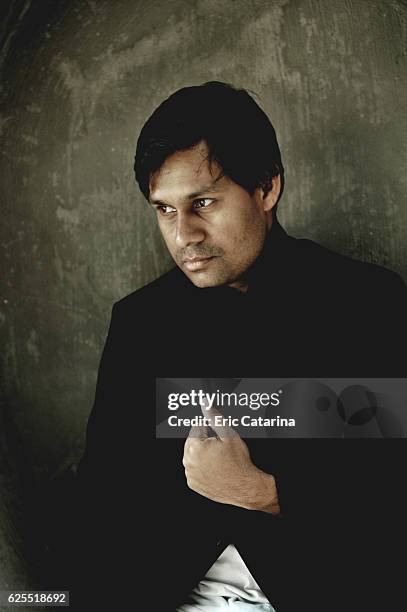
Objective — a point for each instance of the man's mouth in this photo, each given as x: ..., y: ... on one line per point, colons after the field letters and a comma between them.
x: 196, y: 263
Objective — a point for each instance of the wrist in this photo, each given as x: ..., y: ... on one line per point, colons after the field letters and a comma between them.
x: 266, y: 498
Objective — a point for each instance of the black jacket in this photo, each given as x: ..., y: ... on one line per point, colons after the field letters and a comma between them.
x: 340, y: 540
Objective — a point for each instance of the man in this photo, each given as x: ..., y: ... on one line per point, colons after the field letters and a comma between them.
x: 309, y: 524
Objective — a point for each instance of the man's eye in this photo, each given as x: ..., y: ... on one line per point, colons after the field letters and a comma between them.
x: 202, y: 202
x: 164, y: 210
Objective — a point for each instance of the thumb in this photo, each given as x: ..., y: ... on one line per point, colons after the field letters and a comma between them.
x: 199, y: 431
x: 217, y: 421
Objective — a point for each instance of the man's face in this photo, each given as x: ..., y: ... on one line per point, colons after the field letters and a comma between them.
x: 213, y: 228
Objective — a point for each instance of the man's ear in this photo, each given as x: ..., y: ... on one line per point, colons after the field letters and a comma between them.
x: 270, y: 192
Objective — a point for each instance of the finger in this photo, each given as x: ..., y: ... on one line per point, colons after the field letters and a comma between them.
x: 215, y: 419
x: 199, y: 431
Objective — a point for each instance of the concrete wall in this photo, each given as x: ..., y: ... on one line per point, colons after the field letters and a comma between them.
x: 78, y: 79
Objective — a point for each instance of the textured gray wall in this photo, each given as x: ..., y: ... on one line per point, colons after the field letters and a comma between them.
x: 78, y: 79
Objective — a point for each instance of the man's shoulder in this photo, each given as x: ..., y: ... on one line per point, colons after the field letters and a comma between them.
x: 322, y: 263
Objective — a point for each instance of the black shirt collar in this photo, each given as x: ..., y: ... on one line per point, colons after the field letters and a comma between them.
x: 270, y: 266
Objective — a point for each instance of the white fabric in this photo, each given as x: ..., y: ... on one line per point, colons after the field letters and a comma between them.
x: 227, y: 578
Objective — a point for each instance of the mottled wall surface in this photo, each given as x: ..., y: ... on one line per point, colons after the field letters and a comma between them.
x: 78, y: 79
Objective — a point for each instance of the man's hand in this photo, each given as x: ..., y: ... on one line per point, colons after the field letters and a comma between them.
x: 221, y: 469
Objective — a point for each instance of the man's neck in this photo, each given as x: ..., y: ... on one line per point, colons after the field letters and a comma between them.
x: 240, y: 285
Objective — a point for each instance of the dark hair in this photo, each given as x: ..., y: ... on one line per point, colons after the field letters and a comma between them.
x: 239, y: 135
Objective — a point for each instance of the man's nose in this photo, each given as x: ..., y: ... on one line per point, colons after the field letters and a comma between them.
x: 189, y: 230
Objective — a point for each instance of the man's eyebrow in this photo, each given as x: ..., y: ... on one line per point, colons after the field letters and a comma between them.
x: 190, y: 196
x: 205, y: 189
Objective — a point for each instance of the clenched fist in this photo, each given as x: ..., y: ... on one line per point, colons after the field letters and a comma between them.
x: 220, y: 468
